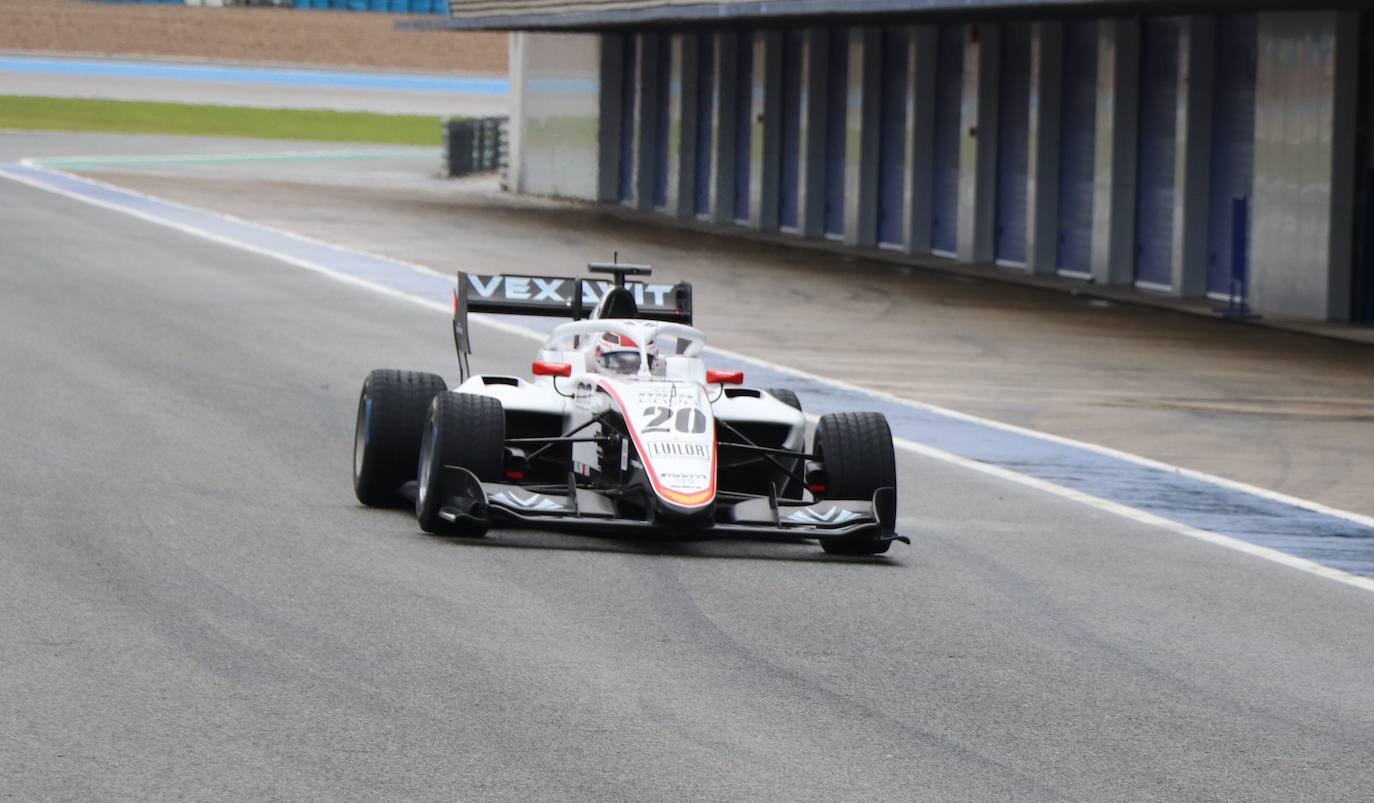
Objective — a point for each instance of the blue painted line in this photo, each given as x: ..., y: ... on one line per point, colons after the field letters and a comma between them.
x: 1323, y: 538
x: 218, y: 73
x: 1319, y: 537
x: 565, y: 86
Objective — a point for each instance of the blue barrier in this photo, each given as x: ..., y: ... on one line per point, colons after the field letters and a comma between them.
x: 1237, y: 305
x: 247, y: 74
x: 383, y: 6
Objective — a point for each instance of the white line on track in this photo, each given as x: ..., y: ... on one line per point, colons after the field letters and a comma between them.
x: 1098, y: 503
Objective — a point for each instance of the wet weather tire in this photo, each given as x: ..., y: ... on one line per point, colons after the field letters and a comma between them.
x: 792, y: 488
x: 785, y: 396
x: 386, y: 439
x: 856, y: 450
x: 465, y: 430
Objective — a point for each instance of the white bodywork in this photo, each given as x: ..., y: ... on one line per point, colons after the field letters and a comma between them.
x: 670, y: 410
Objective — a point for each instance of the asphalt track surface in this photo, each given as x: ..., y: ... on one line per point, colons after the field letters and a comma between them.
x: 194, y: 605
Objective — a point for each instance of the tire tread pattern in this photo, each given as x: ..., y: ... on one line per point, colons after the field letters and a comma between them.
x: 400, y: 401
x: 471, y: 433
x: 857, y: 452
x: 787, y: 397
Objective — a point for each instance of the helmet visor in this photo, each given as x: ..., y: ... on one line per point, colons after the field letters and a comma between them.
x: 621, y: 362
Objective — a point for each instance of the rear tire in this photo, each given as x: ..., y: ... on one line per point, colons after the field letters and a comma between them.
x: 785, y: 396
x: 465, y: 430
x: 792, y: 487
x: 386, y: 436
x: 856, y: 450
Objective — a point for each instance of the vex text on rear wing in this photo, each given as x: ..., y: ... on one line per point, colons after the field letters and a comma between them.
x: 563, y: 297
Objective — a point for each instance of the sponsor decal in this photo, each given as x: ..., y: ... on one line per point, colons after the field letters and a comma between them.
x: 520, y: 288
x: 593, y: 290
x: 550, y: 290
x: 697, y: 451
x: 535, y: 502
x: 835, y: 515
x: 684, y: 479
x: 673, y: 395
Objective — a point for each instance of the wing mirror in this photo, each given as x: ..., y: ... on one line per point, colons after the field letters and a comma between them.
x: 714, y: 377
x: 541, y: 368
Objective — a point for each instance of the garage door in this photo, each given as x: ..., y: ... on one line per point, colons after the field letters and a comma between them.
x: 892, y: 138
x: 1233, y: 139
x: 706, y: 106
x: 1154, y: 205
x: 1364, y: 280
x: 1013, y: 146
x: 744, y: 122
x: 790, y: 169
x: 949, y: 90
x: 663, y: 76
x: 1077, y: 146
x: 627, y: 118
x: 836, y: 123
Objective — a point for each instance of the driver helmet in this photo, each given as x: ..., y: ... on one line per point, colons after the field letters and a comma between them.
x: 618, y: 354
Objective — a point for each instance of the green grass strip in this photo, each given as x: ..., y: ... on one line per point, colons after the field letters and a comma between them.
x: 140, y: 117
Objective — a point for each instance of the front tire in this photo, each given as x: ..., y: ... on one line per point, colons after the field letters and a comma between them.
x: 464, y: 430
x: 856, y: 450
x: 386, y: 435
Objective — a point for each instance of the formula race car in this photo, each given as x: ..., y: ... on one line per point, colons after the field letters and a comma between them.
x: 623, y: 430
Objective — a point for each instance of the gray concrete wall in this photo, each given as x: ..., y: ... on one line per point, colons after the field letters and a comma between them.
x: 765, y: 137
x: 682, y: 130
x: 1114, y: 190
x: 723, y: 166
x: 920, y: 138
x: 978, y: 148
x: 1192, y: 162
x: 1302, y: 213
x: 861, y: 138
x: 811, y: 139
x: 556, y: 137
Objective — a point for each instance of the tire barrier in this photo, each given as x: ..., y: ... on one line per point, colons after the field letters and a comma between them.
x: 474, y: 145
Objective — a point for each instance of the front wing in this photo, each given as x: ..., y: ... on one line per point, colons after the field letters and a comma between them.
x: 580, y: 510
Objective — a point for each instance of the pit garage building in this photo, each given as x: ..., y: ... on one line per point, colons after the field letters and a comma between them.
x: 1176, y: 148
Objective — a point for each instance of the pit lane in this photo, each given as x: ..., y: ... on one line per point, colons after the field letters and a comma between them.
x: 195, y: 605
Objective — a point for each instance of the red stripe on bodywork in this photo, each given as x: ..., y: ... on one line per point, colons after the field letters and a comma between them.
x: 697, y: 499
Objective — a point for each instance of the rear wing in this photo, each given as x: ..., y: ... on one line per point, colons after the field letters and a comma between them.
x: 561, y: 297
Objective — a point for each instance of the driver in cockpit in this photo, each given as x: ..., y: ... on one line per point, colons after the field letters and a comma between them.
x: 616, y: 354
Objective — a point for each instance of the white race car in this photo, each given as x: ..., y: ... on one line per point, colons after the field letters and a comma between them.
x: 622, y: 430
